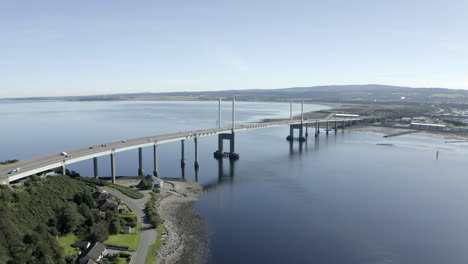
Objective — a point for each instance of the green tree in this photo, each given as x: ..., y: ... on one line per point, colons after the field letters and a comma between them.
x: 114, y: 227
x: 69, y: 218
x: 99, y: 232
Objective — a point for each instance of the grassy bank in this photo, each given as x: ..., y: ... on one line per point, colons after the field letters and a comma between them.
x: 122, y: 189
x: 130, y: 241
x: 152, y: 255
x: 66, y: 241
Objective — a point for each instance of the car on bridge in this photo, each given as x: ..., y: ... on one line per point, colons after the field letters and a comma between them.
x: 13, y: 171
x: 65, y: 154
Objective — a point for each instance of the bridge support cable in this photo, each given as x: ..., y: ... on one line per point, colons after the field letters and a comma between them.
x: 141, y: 172
x: 219, y: 113
x: 112, y: 159
x: 95, y: 167
x: 155, y: 160
x: 290, y: 110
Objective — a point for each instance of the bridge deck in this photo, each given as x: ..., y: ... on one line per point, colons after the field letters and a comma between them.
x: 43, y: 163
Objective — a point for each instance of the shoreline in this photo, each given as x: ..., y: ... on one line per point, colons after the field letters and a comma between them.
x: 186, y: 239
x: 393, y: 130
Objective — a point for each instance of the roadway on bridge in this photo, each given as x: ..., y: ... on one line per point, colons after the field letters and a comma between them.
x: 56, y: 160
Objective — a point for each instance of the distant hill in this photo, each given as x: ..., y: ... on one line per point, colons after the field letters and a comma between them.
x: 370, y: 93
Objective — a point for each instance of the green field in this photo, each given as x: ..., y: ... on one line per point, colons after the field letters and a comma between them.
x: 132, y: 241
x: 66, y: 242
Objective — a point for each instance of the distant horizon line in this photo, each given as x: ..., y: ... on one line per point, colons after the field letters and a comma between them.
x: 227, y: 90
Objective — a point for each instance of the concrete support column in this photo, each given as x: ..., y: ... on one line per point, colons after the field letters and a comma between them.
x: 182, y: 153
x: 196, y: 164
x: 318, y: 127
x: 328, y: 127
x: 232, y: 154
x: 232, y: 144
x: 344, y: 124
x: 336, y: 126
x: 96, y: 170
x: 155, y: 160
x: 63, y: 169
x: 307, y: 130
x: 140, y: 162
x: 112, y: 158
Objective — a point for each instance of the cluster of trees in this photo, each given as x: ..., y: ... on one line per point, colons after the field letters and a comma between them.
x: 151, y: 212
x: 8, y: 161
x: 33, y: 216
x: 145, y: 184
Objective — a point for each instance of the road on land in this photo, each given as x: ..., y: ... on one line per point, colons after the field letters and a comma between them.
x: 148, y: 234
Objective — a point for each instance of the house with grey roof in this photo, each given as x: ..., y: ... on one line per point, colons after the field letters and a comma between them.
x: 108, y: 205
x: 94, y: 254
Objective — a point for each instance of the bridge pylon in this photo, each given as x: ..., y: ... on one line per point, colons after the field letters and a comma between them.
x: 219, y: 154
x: 300, y: 127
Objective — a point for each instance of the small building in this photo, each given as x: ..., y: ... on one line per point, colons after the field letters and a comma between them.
x: 391, y: 122
x: 406, y: 120
x: 94, y: 254
x: 419, y: 119
x: 157, y: 182
x: 108, y: 205
x: 427, y: 126
x: 127, y: 230
x: 81, y: 245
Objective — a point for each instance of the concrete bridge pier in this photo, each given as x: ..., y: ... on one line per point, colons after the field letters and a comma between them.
x: 219, y: 154
x: 155, y: 160
x: 336, y: 126
x: 301, y: 132
x: 318, y: 127
x: 344, y: 124
x: 196, y: 164
x: 63, y: 169
x: 140, y: 162
x: 112, y: 158
x: 96, y: 169
x: 328, y: 127
x: 182, y: 153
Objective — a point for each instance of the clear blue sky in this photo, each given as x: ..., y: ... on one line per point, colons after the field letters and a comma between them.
x: 111, y: 46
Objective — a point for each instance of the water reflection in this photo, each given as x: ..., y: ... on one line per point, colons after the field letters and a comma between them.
x: 224, y: 176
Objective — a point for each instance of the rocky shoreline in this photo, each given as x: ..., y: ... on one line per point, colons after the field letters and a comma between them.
x: 186, y: 240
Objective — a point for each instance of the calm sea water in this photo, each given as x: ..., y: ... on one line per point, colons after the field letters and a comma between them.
x: 339, y: 199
